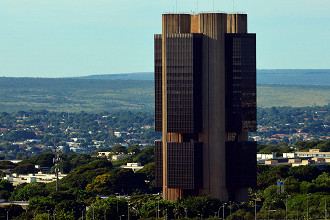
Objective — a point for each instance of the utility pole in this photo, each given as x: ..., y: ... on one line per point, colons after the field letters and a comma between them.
x: 229, y: 207
x: 307, y: 205
x: 255, y: 209
x: 223, y: 212
x: 127, y: 209
x: 325, y: 208
x: 286, y: 207
x: 197, y: 6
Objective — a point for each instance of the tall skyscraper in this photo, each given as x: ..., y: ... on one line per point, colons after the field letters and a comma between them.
x: 205, y: 105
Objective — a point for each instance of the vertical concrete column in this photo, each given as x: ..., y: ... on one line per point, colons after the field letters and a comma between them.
x: 214, y: 27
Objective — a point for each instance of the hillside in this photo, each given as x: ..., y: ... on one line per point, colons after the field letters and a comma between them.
x: 74, y: 95
x: 264, y: 76
x: 292, y: 95
x: 92, y: 95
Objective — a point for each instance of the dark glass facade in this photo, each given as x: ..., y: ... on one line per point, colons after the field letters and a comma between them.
x: 184, y: 165
x: 241, y: 164
x: 183, y: 81
x: 158, y: 163
x: 241, y: 83
x: 158, y: 81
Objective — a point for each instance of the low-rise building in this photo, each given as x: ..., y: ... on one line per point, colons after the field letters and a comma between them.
x: 313, y: 153
x: 294, y: 160
x: 289, y: 155
x: 112, y: 156
x: 268, y: 162
x: 119, y: 133
x: 132, y: 166
x: 118, y: 157
x: 16, y: 179
x: 104, y: 154
x: 263, y: 157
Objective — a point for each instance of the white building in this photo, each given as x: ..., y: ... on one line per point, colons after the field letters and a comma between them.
x: 132, y: 166
x: 261, y: 157
x: 289, y: 155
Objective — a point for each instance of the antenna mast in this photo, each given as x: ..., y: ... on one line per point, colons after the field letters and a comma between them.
x: 233, y: 6
x: 176, y: 6
x: 57, y: 160
x: 197, y: 6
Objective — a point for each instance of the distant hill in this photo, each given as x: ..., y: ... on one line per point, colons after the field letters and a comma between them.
x: 93, y: 95
x: 264, y: 76
x: 72, y: 95
x: 294, y: 76
x: 123, y: 76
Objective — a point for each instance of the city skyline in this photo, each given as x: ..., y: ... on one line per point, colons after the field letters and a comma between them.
x: 77, y: 38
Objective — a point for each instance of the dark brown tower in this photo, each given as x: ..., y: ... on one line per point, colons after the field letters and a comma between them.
x: 205, y: 105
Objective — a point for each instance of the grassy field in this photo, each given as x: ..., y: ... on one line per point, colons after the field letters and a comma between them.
x: 93, y: 95
x: 72, y: 95
x: 292, y: 95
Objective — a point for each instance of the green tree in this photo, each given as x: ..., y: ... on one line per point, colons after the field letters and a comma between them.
x: 306, y: 187
x: 147, y: 155
x: 28, y: 191
x: 6, y: 189
x: 44, y: 160
x: 25, y: 169
x: 41, y: 202
x: 322, y: 182
x: 291, y: 185
x: 125, y: 181
x: 268, y: 176
x: 14, y: 210
x: 107, y: 207
x: 41, y: 216
x: 84, y: 174
x: 205, y: 205
x: 6, y: 185
x: 134, y: 149
x: 101, y: 184
x: 119, y: 149
x: 241, y: 214
x: 149, y: 209
x: 7, y: 165
x: 304, y: 173
x: 64, y: 215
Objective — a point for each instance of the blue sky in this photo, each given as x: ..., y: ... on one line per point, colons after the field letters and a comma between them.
x: 44, y: 38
